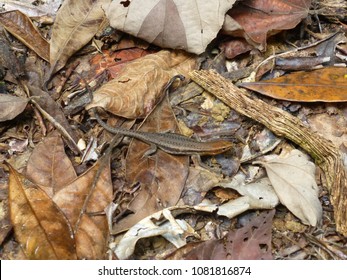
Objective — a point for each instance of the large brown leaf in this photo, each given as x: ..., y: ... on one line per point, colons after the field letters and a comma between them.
x: 161, y: 176
x: 328, y: 84
x: 187, y: 25
x: 49, y: 166
x: 40, y: 227
x: 91, y: 231
x: 138, y: 86
x: 20, y: 26
x: 76, y: 23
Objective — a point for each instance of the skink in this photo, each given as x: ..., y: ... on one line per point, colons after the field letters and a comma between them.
x: 171, y: 143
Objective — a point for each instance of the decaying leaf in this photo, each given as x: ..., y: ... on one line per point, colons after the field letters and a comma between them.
x: 139, y: 85
x: 160, y: 223
x: 76, y: 23
x: 11, y: 106
x: 176, y: 24
x: 255, y: 20
x: 49, y: 166
x: 294, y: 182
x: 91, y: 231
x: 251, y: 242
x: 20, y: 26
x: 328, y: 85
x: 40, y: 227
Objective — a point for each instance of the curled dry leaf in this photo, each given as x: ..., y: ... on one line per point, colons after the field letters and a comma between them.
x: 49, y: 166
x: 11, y: 106
x: 40, y: 227
x: 139, y: 85
x: 176, y: 24
x: 294, y: 182
x: 76, y: 23
x: 20, y: 26
x: 79, y: 200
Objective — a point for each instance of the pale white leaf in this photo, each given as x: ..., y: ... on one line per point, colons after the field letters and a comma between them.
x: 176, y: 24
x: 293, y: 179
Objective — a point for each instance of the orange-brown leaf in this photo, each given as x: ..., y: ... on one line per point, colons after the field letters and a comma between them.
x: 91, y: 232
x: 327, y: 85
x: 49, y: 166
x: 40, y: 227
x: 20, y: 26
x: 138, y: 86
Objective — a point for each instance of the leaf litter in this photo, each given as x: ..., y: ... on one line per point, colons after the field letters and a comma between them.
x: 115, y: 209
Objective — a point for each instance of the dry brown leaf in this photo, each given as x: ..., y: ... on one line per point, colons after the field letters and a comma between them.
x: 91, y: 231
x: 40, y: 227
x: 251, y: 242
x: 161, y: 176
x: 76, y: 23
x: 293, y: 178
x: 139, y: 85
x: 328, y: 85
x: 20, y: 26
x: 176, y: 24
x: 11, y: 106
x: 259, y: 19
x: 49, y: 166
